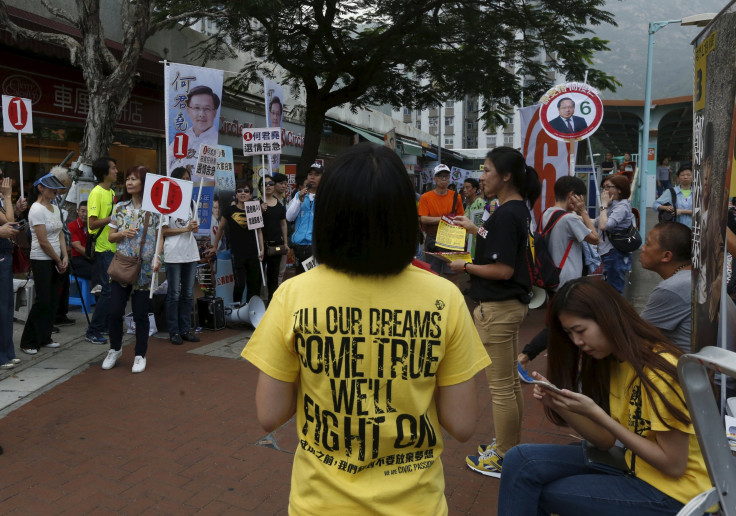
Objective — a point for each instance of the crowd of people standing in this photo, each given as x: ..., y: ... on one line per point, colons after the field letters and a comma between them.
x: 614, y: 369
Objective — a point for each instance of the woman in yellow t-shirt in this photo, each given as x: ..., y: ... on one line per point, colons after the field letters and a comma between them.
x: 618, y: 376
x: 372, y: 354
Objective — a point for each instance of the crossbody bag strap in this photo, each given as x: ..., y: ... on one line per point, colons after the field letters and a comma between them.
x: 454, y: 203
x: 143, y: 238
x: 673, y: 196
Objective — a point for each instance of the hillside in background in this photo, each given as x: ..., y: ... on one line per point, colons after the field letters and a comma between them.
x: 673, y: 53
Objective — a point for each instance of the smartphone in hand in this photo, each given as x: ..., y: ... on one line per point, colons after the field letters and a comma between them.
x: 547, y: 385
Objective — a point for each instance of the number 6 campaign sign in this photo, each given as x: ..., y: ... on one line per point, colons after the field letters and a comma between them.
x: 17, y: 115
x: 570, y: 112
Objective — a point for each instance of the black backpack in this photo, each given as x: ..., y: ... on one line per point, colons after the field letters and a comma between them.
x: 543, y: 271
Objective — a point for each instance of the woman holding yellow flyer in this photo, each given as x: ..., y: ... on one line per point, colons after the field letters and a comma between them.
x: 500, y: 283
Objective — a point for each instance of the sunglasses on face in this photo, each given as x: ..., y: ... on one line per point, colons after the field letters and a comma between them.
x: 270, y: 184
x: 243, y: 190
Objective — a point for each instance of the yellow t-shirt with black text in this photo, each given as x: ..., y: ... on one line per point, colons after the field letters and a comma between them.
x: 644, y: 422
x: 367, y: 354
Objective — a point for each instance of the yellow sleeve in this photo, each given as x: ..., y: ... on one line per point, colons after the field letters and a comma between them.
x: 270, y: 348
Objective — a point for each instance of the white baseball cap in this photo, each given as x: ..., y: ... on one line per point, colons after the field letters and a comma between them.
x: 441, y: 168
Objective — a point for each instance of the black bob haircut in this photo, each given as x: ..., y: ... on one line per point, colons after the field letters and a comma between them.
x: 567, y: 184
x: 365, y: 215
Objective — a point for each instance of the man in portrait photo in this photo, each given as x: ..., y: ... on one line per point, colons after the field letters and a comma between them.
x: 201, y: 106
x: 275, y: 111
x: 567, y: 122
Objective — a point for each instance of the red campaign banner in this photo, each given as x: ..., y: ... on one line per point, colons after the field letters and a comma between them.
x: 59, y: 92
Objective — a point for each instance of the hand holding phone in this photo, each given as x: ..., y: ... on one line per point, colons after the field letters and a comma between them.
x: 547, y: 385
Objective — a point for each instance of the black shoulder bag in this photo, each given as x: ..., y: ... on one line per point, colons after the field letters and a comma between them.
x: 669, y: 216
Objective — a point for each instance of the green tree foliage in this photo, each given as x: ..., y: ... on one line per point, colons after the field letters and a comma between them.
x: 413, y: 53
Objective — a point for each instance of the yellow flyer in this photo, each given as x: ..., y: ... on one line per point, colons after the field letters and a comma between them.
x: 451, y: 257
x: 450, y: 236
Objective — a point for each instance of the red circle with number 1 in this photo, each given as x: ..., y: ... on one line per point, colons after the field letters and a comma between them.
x: 166, y: 195
x: 18, y: 113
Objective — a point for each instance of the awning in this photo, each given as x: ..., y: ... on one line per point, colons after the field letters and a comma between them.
x: 365, y: 134
x: 411, y: 148
x: 430, y: 154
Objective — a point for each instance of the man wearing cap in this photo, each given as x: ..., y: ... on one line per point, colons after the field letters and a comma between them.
x: 301, y: 213
x: 202, y: 105
x: 432, y: 206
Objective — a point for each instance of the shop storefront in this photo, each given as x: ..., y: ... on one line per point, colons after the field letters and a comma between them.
x: 60, y: 104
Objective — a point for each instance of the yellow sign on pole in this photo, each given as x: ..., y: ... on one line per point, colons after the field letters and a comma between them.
x: 701, y: 53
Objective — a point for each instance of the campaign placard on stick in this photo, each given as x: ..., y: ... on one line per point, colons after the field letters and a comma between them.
x: 167, y: 196
x: 450, y: 236
x: 253, y: 214
x: 263, y: 140
x: 192, y: 96
x: 570, y: 112
x: 207, y: 160
x: 17, y: 115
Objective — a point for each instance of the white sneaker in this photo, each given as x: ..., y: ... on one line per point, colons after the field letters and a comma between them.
x: 52, y: 345
x: 111, y: 358
x: 139, y: 364
x: 97, y: 289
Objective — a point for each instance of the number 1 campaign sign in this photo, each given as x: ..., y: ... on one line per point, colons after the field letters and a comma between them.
x: 17, y: 115
x: 167, y: 196
x: 18, y: 118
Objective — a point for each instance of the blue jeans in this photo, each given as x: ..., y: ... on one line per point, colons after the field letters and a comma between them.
x: 100, y: 317
x: 543, y: 479
x: 615, y: 266
x: 180, y: 278
x: 140, y: 302
x: 7, y: 306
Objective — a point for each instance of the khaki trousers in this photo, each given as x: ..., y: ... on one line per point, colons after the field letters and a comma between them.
x: 498, y: 324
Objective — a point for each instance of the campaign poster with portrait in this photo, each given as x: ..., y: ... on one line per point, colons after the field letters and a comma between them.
x: 274, y: 97
x: 570, y: 112
x: 193, y: 98
x: 713, y: 120
x: 549, y: 157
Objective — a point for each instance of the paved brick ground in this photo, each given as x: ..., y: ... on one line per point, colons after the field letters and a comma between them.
x: 182, y: 438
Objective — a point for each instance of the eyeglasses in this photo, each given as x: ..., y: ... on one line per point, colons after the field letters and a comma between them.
x: 270, y: 183
x: 205, y: 110
x: 608, y: 187
x: 242, y: 190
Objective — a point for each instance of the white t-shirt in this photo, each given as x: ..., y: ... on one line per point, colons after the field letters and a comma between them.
x: 39, y: 215
x: 181, y: 248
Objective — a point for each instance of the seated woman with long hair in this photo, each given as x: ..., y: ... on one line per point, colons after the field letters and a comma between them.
x: 619, y: 379
x: 372, y: 353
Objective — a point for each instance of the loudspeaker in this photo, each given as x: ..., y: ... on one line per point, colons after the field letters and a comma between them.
x: 250, y: 313
x: 211, y: 312
x: 538, y: 298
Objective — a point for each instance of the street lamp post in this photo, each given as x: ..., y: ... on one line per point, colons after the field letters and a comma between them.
x: 698, y: 20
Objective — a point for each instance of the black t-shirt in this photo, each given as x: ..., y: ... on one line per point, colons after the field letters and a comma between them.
x: 242, y: 240
x: 503, y: 239
x: 272, y: 218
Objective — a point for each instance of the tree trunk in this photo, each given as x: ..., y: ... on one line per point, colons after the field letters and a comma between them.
x: 314, y: 120
x: 105, y: 105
